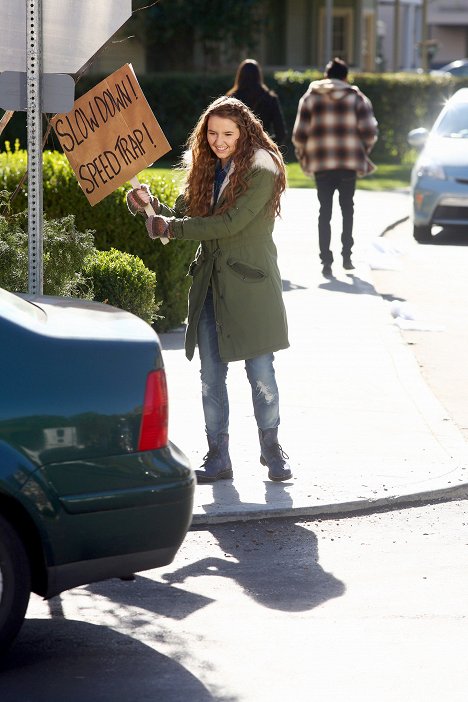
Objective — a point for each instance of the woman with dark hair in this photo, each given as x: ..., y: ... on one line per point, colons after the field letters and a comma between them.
x: 235, y: 176
x: 250, y: 88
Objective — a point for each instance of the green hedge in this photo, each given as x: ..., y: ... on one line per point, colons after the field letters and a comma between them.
x: 113, y: 224
x: 402, y: 101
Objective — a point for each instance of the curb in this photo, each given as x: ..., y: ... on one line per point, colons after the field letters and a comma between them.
x: 328, y: 511
x: 393, y: 225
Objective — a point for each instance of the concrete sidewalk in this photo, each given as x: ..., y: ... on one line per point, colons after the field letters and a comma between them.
x: 359, y: 423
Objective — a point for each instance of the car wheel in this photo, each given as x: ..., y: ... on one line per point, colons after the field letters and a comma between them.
x: 422, y: 234
x: 15, y: 583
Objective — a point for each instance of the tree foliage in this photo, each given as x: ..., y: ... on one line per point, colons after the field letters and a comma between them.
x: 170, y: 27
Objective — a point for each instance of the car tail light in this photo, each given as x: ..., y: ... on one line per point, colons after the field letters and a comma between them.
x: 153, y: 430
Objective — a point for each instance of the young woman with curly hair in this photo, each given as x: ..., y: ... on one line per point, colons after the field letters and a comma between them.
x: 235, y: 178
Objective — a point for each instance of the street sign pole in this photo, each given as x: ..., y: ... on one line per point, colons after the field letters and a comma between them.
x: 34, y: 129
x: 58, y: 37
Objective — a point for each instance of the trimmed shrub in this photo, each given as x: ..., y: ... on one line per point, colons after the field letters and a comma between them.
x: 113, y: 224
x: 65, y: 252
x: 122, y: 280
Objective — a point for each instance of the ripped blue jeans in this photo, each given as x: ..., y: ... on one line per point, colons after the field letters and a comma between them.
x: 213, y: 372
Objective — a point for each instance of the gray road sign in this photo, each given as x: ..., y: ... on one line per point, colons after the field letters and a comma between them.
x: 57, y: 91
x: 72, y: 32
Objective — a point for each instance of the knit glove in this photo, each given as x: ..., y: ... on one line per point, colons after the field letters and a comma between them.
x: 136, y: 204
x: 158, y: 226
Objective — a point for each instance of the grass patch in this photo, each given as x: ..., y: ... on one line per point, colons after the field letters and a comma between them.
x: 388, y: 176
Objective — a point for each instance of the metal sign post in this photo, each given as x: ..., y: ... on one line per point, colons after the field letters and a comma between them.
x: 34, y: 127
x: 58, y: 37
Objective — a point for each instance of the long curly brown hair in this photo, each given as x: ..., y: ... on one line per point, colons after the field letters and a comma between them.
x: 201, y: 166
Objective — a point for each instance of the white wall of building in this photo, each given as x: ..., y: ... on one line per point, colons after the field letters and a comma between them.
x: 447, y: 22
x: 409, y: 34
x: 452, y: 43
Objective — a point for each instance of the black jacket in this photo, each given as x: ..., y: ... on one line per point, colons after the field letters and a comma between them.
x: 266, y: 105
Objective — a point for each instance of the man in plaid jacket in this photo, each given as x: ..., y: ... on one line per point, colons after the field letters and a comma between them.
x: 334, y: 132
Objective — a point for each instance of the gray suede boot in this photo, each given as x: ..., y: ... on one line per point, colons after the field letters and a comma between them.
x: 273, y: 456
x: 217, y: 462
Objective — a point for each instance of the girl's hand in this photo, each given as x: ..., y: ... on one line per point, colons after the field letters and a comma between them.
x: 139, y: 198
x: 158, y: 226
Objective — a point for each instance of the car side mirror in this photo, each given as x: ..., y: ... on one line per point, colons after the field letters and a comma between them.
x: 418, y: 137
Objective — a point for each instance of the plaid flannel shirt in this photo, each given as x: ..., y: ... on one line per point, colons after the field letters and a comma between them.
x: 335, y: 128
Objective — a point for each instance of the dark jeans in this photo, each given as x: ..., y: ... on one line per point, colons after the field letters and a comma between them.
x: 327, y: 182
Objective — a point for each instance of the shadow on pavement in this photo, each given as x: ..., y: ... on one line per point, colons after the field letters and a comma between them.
x: 275, y: 563
x: 288, y: 286
x: 156, y: 598
x: 70, y: 661
x: 356, y: 286
x: 389, y: 297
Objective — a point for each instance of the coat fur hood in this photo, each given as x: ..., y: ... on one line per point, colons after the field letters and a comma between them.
x: 262, y: 159
x: 266, y: 160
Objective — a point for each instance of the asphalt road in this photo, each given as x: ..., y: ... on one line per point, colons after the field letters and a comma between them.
x: 431, y: 285
x: 364, y: 609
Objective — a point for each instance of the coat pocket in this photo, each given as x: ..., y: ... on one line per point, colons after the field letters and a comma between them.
x: 195, y: 266
x: 246, y: 272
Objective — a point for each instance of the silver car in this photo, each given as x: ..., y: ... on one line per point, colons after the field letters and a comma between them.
x: 439, y: 179
x: 458, y: 68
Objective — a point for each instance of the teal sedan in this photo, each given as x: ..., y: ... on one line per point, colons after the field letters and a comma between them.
x: 90, y: 485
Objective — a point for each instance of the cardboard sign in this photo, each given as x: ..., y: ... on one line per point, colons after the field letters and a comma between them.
x: 110, y: 135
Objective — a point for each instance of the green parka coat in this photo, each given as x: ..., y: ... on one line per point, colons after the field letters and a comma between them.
x: 238, y: 258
